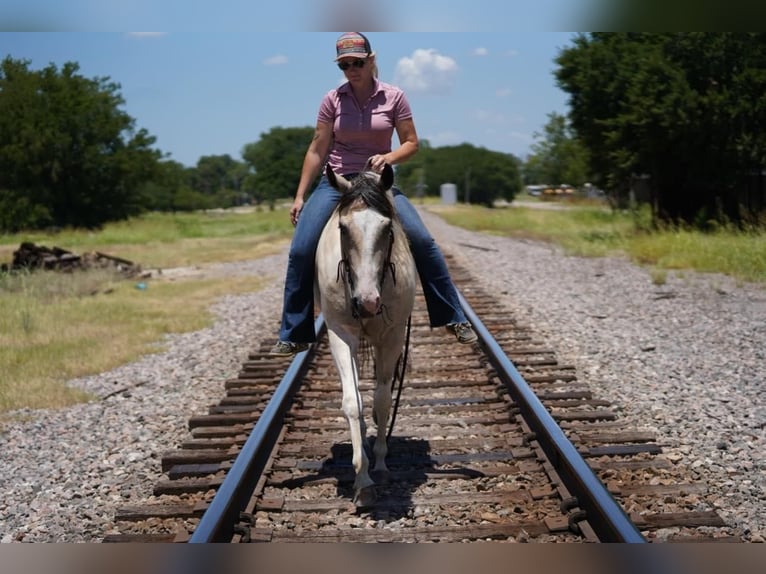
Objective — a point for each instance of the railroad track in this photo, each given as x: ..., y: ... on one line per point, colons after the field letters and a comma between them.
x: 492, y: 441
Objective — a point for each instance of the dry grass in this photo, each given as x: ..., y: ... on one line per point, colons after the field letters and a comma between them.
x: 55, y: 327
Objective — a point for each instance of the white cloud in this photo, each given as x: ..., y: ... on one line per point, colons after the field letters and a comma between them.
x: 503, y: 92
x: 481, y: 52
x: 277, y: 60
x: 426, y: 71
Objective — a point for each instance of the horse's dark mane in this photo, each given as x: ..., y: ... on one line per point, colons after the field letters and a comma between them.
x: 365, y: 188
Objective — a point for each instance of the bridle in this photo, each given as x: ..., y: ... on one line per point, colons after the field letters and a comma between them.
x: 344, y: 266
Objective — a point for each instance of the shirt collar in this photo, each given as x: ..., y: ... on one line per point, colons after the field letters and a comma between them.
x: 346, y: 88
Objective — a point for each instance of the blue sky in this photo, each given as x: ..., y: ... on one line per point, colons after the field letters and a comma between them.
x: 307, y: 15
x: 210, y: 93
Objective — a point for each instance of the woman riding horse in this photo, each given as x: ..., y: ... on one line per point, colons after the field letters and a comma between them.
x: 355, y: 126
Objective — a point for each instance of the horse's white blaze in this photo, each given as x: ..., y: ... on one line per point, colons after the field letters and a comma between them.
x: 367, y: 253
x: 383, y: 324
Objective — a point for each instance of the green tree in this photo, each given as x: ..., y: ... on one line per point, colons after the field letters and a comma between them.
x: 216, y: 172
x: 532, y: 172
x: 69, y: 156
x: 684, y: 111
x: 275, y: 162
x: 170, y: 190
x: 220, y: 178
x: 596, y: 72
x: 558, y: 155
x: 482, y: 175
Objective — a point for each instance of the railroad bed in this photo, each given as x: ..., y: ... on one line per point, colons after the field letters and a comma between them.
x: 464, y: 463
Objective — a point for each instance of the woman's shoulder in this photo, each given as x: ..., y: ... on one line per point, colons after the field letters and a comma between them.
x: 390, y: 88
x: 332, y: 96
x: 393, y: 93
x: 332, y: 92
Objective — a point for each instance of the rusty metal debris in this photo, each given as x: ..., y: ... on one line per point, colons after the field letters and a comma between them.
x: 30, y: 256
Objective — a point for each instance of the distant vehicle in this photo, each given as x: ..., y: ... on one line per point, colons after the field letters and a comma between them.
x: 535, y: 190
x: 563, y: 189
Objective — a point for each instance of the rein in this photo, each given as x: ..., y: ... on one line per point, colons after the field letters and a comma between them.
x: 401, y: 367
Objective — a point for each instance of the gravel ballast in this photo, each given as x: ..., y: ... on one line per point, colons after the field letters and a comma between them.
x: 686, y: 359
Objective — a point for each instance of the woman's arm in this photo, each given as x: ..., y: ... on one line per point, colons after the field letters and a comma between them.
x: 408, y: 146
x: 312, y: 163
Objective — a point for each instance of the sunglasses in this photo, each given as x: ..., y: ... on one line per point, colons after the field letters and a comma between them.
x: 356, y: 64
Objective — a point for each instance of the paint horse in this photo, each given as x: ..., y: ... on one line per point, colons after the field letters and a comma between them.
x: 365, y: 285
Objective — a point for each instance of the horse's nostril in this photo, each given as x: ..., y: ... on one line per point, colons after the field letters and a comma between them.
x: 362, y: 308
x: 370, y: 307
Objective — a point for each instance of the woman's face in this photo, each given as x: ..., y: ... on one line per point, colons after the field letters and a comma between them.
x: 356, y: 69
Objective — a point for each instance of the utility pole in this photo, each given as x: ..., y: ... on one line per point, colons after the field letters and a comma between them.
x: 421, y: 186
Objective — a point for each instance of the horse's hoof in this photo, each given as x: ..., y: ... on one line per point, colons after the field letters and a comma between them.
x: 381, y: 476
x: 365, y: 497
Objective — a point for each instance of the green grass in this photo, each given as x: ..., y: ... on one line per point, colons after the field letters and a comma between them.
x: 738, y: 254
x: 597, y: 231
x: 58, y: 326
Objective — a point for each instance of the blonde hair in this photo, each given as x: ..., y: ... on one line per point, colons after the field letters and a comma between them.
x: 373, y: 64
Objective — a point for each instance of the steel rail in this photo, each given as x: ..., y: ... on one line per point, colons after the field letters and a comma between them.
x: 602, y: 511
x: 217, y: 523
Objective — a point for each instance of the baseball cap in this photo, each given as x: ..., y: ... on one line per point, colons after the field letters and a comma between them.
x: 352, y: 44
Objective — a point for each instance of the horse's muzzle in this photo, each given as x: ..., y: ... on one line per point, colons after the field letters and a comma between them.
x: 365, y: 309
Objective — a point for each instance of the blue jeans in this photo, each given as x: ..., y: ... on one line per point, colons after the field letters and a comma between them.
x: 298, y: 306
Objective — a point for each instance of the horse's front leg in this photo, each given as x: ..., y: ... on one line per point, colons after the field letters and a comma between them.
x: 386, y: 358
x: 382, y: 410
x: 344, y: 351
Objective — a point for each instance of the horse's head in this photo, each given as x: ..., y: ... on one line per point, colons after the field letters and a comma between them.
x: 366, y: 220
x: 385, y: 179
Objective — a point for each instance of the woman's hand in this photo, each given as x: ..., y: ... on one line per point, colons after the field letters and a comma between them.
x: 295, y: 211
x: 377, y: 162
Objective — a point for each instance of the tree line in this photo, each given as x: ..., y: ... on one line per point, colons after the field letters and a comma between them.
x: 70, y: 156
x: 681, y: 115
x: 677, y: 116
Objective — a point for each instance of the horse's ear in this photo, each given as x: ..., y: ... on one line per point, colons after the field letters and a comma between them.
x: 386, y: 177
x: 337, y: 181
